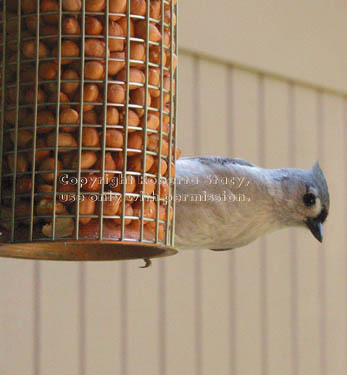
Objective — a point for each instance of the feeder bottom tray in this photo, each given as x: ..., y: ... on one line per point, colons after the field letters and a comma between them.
x: 83, y: 250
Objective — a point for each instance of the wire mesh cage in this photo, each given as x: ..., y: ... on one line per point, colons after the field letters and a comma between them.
x: 88, y: 138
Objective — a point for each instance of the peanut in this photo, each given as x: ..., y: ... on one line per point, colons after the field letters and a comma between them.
x: 24, y: 185
x: 43, y: 118
x: 128, y: 212
x: 137, y: 53
x: 138, y: 7
x: 94, y: 70
x: 64, y: 140
x: 141, y: 31
x: 48, y: 165
x: 155, y: 11
x: 22, y: 164
x: 112, y: 116
x: 68, y: 49
x: 23, y: 137
x: 117, y: 6
x: 63, y: 99
x: 30, y: 97
x: 116, y: 41
x: 41, y: 154
x: 46, y: 189
x: 149, y: 209
x: 115, y: 93
x: 153, y: 122
x: 115, y: 66
x: 118, y: 183
x: 153, y: 143
x: 72, y: 5
x: 138, y: 97
x: 50, y: 6
x: 135, y: 141
x: 136, y: 77
x: 114, y: 138
x: 94, y: 48
x: 95, y: 5
x: 90, y: 117
x: 155, y: 167
x: 88, y: 159
x: 90, y: 137
x: 45, y: 30
x: 147, y: 184
x: 87, y: 207
x: 123, y: 22
x: 45, y: 208
x: 111, y: 206
x: 91, y: 93
x: 135, y: 163
x: 29, y: 49
x: 110, y: 164
x: 70, y: 88
x: 68, y: 190
x: 48, y: 70
x: 93, y: 183
x: 71, y: 26
x: 93, y: 25
x: 69, y: 117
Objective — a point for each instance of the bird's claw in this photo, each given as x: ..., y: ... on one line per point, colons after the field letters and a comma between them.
x: 148, y: 263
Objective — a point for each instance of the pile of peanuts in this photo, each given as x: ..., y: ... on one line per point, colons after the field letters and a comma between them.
x: 35, y: 106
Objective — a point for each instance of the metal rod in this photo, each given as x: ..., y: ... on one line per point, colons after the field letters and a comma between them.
x: 126, y: 123
x: 58, y: 124
x: 79, y: 152
x: 3, y: 85
x: 173, y: 196
x: 104, y: 125
x: 161, y: 120
x: 172, y: 149
x: 33, y: 166
x: 144, y: 154
x: 15, y: 147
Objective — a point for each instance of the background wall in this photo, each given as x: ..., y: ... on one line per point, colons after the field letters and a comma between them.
x: 277, y: 306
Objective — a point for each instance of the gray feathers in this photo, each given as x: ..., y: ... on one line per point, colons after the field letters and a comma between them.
x: 321, y: 184
x: 210, y: 160
x: 224, y: 203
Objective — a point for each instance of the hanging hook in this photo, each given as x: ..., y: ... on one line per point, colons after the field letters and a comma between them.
x: 148, y: 263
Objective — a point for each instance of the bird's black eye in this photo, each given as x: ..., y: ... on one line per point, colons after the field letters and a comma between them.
x: 309, y: 199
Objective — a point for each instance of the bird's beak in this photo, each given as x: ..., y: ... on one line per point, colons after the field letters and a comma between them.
x: 316, y: 228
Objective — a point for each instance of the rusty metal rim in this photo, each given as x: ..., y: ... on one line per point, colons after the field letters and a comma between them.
x: 80, y: 250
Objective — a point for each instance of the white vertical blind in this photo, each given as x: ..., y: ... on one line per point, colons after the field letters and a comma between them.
x: 180, y: 306
x: 308, y: 312
x: 247, y: 305
x: 214, y: 288
x: 59, y: 318
x: 17, y: 321
x: 334, y: 251
x: 278, y: 270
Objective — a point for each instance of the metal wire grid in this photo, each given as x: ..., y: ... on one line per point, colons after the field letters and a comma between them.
x: 8, y: 64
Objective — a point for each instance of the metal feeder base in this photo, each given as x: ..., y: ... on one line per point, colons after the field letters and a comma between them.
x: 80, y: 250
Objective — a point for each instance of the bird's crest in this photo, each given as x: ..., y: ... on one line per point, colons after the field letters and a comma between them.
x: 321, y: 183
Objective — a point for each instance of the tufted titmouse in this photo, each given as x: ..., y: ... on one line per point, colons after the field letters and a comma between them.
x: 225, y: 203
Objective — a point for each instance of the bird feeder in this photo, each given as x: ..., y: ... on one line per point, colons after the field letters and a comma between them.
x: 88, y: 139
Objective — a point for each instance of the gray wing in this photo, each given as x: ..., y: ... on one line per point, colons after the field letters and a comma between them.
x: 209, y: 160
x: 197, y: 225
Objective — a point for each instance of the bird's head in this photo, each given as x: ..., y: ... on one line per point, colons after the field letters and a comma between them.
x: 306, y: 197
